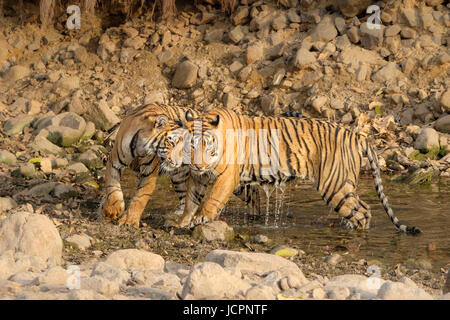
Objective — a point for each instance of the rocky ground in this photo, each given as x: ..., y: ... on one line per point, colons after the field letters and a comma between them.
x: 61, y: 90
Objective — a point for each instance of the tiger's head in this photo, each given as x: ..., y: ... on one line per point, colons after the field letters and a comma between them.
x: 205, y: 141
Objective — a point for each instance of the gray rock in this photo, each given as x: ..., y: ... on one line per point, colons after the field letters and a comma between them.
x: 208, y: 280
x: 16, y: 125
x: 185, y: 75
x: 214, y: 35
x: 392, y: 30
x: 333, y: 259
x: 353, y: 34
x: 213, y: 231
x: 127, y: 258
x: 427, y: 139
x: 31, y: 234
x: 325, y: 31
x: 338, y: 293
x: 84, y: 294
x: 66, y: 85
x: 17, y: 73
x: 26, y: 170
x: 41, y: 190
x: 304, y: 58
x: 100, y: 285
x: 111, y: 273
x: 82, y: 241
x: 77, y: 167
x: 443, y: 124
x: 366, y: 287
x: 399, y: 291
x: 260, y: 292
x: 293, y: 16
x: 389, y: 72
x: 7, y: 157
x: 7, y: 203
x: 25, y: 277
x: 236, y: 34
x: 252, y: 263
x: 261, y: 239
x: 240, y: 15
x: 90, y: 159
x: 55, y: 276
x: 255, y: 52
x: 446, y: 288
x: 42, y: 144
x: 371, y: 37
x: 102, y: 116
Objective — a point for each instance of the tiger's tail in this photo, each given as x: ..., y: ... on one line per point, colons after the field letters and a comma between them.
x: 373, y: 160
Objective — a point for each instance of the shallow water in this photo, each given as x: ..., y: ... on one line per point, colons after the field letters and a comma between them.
x: 304, y: 221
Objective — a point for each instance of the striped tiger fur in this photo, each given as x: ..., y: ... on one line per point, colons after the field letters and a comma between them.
x: 326, y: 153
x: 136, y: 143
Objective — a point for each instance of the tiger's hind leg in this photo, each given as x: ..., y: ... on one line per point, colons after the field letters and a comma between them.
x: 147, y: 184
x: 347, y: 203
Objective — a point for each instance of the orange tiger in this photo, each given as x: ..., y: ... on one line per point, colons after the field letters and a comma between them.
x: 231, y: 148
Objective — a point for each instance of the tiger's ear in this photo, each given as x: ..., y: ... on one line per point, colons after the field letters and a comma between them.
x: 189, y: 116
x: 215, y: 121
x: 161, y: 121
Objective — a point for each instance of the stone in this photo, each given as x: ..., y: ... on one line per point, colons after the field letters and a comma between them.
x: 27, y: 170
x: 445, y: 101
x: 67, y: 84
x: 214, y: 35
x: 7, y: 157
x: 185, y: 75
x: 150, y: 293
x: 111, y: 273
x: 208, y: 280
x: 292, y: 16
x: 254, y: 53
x: 25, y: 278
x: 252, y: 263
x: 411, y: 16
x: 279, y: 23
x: 236, y: 34
x: 101, y: 285
x: 84, y: 294
x: 443, y: 124
x: 399, y: 291
x: 366, y: 287
x: 213, y: 231
x: 389, y: 72
x: 408, y: 33
x: 392, y: 30
x: 16, y: 73
x: 127, y: 258
x: 7, y: 265
x: 427, y: 139
x: 81, y: 241
x: 66, y: 119
x: 333, y: 259
x: 102, y: 116
x: 371, y: 38
x: 55, y: 276
x: 318, y: 294
x: 63, y: 136
x: 236, y: 66
x: 7, y: 203
x: 351, y: 8
x: 31, y: 234
x: 353, y: 34
x: 77, y: 167
x: 89, y: 131
x: 446, y: 288
x: 16, y: 125
x: 260, y: 238
x: 304, y: 58
x: 90, y: 159
x: 338, y: 293
x: 260, y: 292
x: 42, y: 144
x: 64, y: 191
x: 41, y: 189
x: 269, y: 103
x: 240, y: 15
x: 319, y: 103
x: 325, y: 31
x: 230, y: 101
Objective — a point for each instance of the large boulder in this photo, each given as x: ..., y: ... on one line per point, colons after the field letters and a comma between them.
x: 400, y: 291
x: 65, y: 129
x: 366, y: 287
x: 443, y: 124
x: 185, y: 75
x: 31, y: 234
x: 427, y: 140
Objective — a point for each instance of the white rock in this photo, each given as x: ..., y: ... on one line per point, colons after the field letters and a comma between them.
x: 111, y: 273
x: 83, y: 294
x: 260, y: 292
x: 101, y: 285
x: 7, y: 203
x: 124, y: 259
x: 7, y: 267
x: 253, y: 263
x: 82, y: 241
x: 32, y: 234
x: 399, y: 291
x: 56, y: 276
x: 208, y: 280
x: 427, y: 139
x: 367, y: 287
x: 338, y: 293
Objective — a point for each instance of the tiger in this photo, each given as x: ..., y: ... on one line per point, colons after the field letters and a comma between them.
x: 138, y: 136
x: 327, y: 154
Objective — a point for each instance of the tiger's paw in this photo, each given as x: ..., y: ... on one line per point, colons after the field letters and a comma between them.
x: 360, y: 221
x: 113, y: 206
x: 199, y: 220
x: 130, y: 220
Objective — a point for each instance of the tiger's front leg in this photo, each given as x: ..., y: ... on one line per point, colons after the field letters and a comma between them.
x: 147, y: 184
x: 196, y: 189
x: 220, y: 193
x: 113, y: 204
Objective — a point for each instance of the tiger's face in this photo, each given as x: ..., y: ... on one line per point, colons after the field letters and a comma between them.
x: 205, y: 142
x: 174, y: 150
